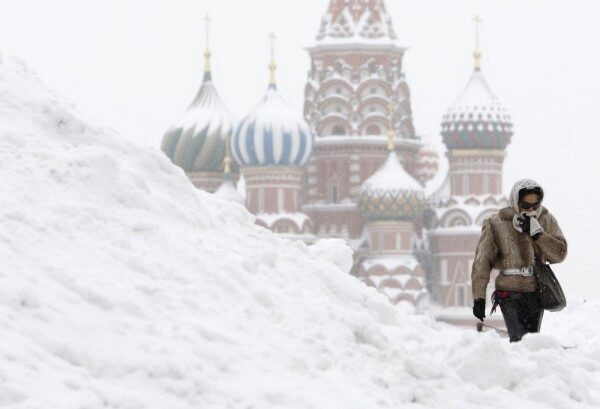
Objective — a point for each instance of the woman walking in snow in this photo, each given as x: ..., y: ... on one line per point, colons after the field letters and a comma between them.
x: 513, y: 241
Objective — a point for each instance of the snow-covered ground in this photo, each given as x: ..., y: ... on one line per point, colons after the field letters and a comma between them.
x: 122, y: 286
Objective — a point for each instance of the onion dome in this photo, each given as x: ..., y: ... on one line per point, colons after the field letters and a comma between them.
x: 197, y: 142
x: 272, y: 134
x: 477, y: 119
x: 391, y: 193
x: 427, y: 165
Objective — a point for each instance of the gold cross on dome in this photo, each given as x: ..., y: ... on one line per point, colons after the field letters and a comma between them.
x: 207, y: 49
x: 477, y: 52
x: 391, y: 131
x: 272, y: 65
x: 208, y: 21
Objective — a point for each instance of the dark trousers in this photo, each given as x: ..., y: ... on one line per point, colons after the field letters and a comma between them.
x: 522, y: 314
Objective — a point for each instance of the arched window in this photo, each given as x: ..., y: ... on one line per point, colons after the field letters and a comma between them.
x: 457, y: 221
x: 372, y: 67
x: 339, y: 130
x: 373, y: 129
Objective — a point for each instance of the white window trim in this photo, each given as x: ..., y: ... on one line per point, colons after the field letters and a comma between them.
x: 444, y: 272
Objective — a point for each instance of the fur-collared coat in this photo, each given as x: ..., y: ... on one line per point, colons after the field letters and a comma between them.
x: 502, y: 246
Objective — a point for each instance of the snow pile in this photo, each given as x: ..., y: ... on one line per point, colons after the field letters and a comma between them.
x: 124, y: 287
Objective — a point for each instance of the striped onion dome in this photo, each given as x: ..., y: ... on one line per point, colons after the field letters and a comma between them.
x: 391, y: 193
x: 477, y: 119
x: 272, y: 135
x: 197, y: 142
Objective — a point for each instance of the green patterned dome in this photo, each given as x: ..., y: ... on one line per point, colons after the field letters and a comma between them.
x: 391, y: 193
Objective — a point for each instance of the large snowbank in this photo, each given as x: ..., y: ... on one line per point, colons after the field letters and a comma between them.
x: 121, y: 286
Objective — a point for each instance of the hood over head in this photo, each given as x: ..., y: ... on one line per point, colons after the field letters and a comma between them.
x: 527, y: 184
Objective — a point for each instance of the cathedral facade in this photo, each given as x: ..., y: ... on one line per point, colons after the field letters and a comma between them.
x: 352, y: 165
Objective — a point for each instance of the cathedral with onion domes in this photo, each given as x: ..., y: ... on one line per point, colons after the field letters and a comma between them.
x: 352, y: 165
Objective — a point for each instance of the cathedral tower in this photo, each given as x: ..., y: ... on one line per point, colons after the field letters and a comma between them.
x: 392, y: 201
x: 476, y: 130
x: 272, y: 144
x: 356, y: 71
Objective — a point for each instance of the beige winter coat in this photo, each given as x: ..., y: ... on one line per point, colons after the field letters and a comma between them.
x: 502, y: 246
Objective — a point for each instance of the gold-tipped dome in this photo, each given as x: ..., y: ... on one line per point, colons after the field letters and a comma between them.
x: 477, y: 119
x: 197, y: 142
x: 272, y: 134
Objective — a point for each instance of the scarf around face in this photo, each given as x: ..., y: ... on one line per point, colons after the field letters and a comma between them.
x: 533, y: 214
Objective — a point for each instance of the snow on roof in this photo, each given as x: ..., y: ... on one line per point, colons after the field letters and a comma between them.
x: 271, y: 218
x: 326, y: 140
x: 360, y: 21
x: 474, y: 206
x: 391, y: 263
x: 272, y: 134
x: 197, y: 141
x: 322, y: 205
x: 393, y: 292
x: 477, y: 98
x: 402, y: 279
x: 390, y: 177
x: 455, y: 230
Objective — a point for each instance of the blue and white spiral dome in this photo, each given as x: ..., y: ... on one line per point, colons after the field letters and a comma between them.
x: 272, y: 135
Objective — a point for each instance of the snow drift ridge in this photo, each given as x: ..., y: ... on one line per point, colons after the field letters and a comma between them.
x: 122, y: 286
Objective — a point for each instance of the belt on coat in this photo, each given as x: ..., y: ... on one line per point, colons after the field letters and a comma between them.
x: 523, y: 271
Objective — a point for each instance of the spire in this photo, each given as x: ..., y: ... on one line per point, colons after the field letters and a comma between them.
x: 207, y: 53
x: 272, y: 65
x: 477, y: 52
x: 227, y: 160
x: 363, y: 21
x: 391, y: 132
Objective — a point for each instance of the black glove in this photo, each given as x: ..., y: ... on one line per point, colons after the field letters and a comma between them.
x: 479, y: 308
x: 525, y: 224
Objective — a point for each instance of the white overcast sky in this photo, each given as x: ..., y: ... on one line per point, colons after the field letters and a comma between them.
x: 134, y: 65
